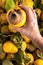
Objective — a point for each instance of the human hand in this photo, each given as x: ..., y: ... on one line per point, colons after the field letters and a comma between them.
x: 31, y: 27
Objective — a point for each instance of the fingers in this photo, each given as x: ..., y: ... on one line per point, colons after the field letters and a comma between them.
x: 21, y: 30
x: 26, y: 9
x: 18, y: 29
x: 29, y: 12
x: 34, y: 13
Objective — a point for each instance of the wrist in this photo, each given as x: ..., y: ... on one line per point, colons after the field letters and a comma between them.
x: 37, y: 39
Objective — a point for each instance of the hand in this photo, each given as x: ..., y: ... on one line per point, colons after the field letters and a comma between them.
x: 31, y: 26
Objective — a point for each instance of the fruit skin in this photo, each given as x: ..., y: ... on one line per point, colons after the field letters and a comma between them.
x: 38, y: 11
x: 42, y: 15
x: 41, y: 1
x: 4, y: 29
x: 24, y: 45
x: 10, y: 28
x: 38, y: 62
x: 9, y: 47
x: 31, y: 59
x: 2, y: 3
x: 3, y: 18
x: 25, y: 38
x: 23, y: 21
x: 31, y: 47
x: 28, y: 3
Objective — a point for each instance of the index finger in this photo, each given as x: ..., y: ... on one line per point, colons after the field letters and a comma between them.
x: 28, y: 11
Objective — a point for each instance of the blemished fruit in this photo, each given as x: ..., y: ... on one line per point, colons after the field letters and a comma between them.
x: 22, y: 23
x: 38, y: 62
x: 19, y: 18
x: 9, y: 47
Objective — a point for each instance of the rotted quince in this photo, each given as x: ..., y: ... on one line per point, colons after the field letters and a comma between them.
x: 16, y: 18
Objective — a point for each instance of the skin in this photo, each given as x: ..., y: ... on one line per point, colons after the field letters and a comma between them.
x: 31, y: 29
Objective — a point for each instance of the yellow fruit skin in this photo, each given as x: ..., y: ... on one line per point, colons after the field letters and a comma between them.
x: 38, y: 62
x: 24, y: 45
x: 38, y: 11
x: 42, y: 15
x: 28, y: 3
x: 25, y: 38
x: 9, y: 47
x: 2, y: 3
x: 3, y: 18
x: 22, y: 23
x: 41, y: 1
x: 10, y: 28
x: 31, y: 59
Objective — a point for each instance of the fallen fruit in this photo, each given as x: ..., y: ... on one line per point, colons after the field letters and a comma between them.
x: 24, y: 45
x: 38, y: 62
x: 9, y: 47
x: 25, y: 38
x: 31, y: 58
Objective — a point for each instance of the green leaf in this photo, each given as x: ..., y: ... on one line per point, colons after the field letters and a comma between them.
x: 36, y: 3
x: 17, y: 39
x: 15, y: 1
x: 9, y: 4
x: 19, y: 57
x: 41, y: 29
x: 7, y: 62
x: 41, y: 6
